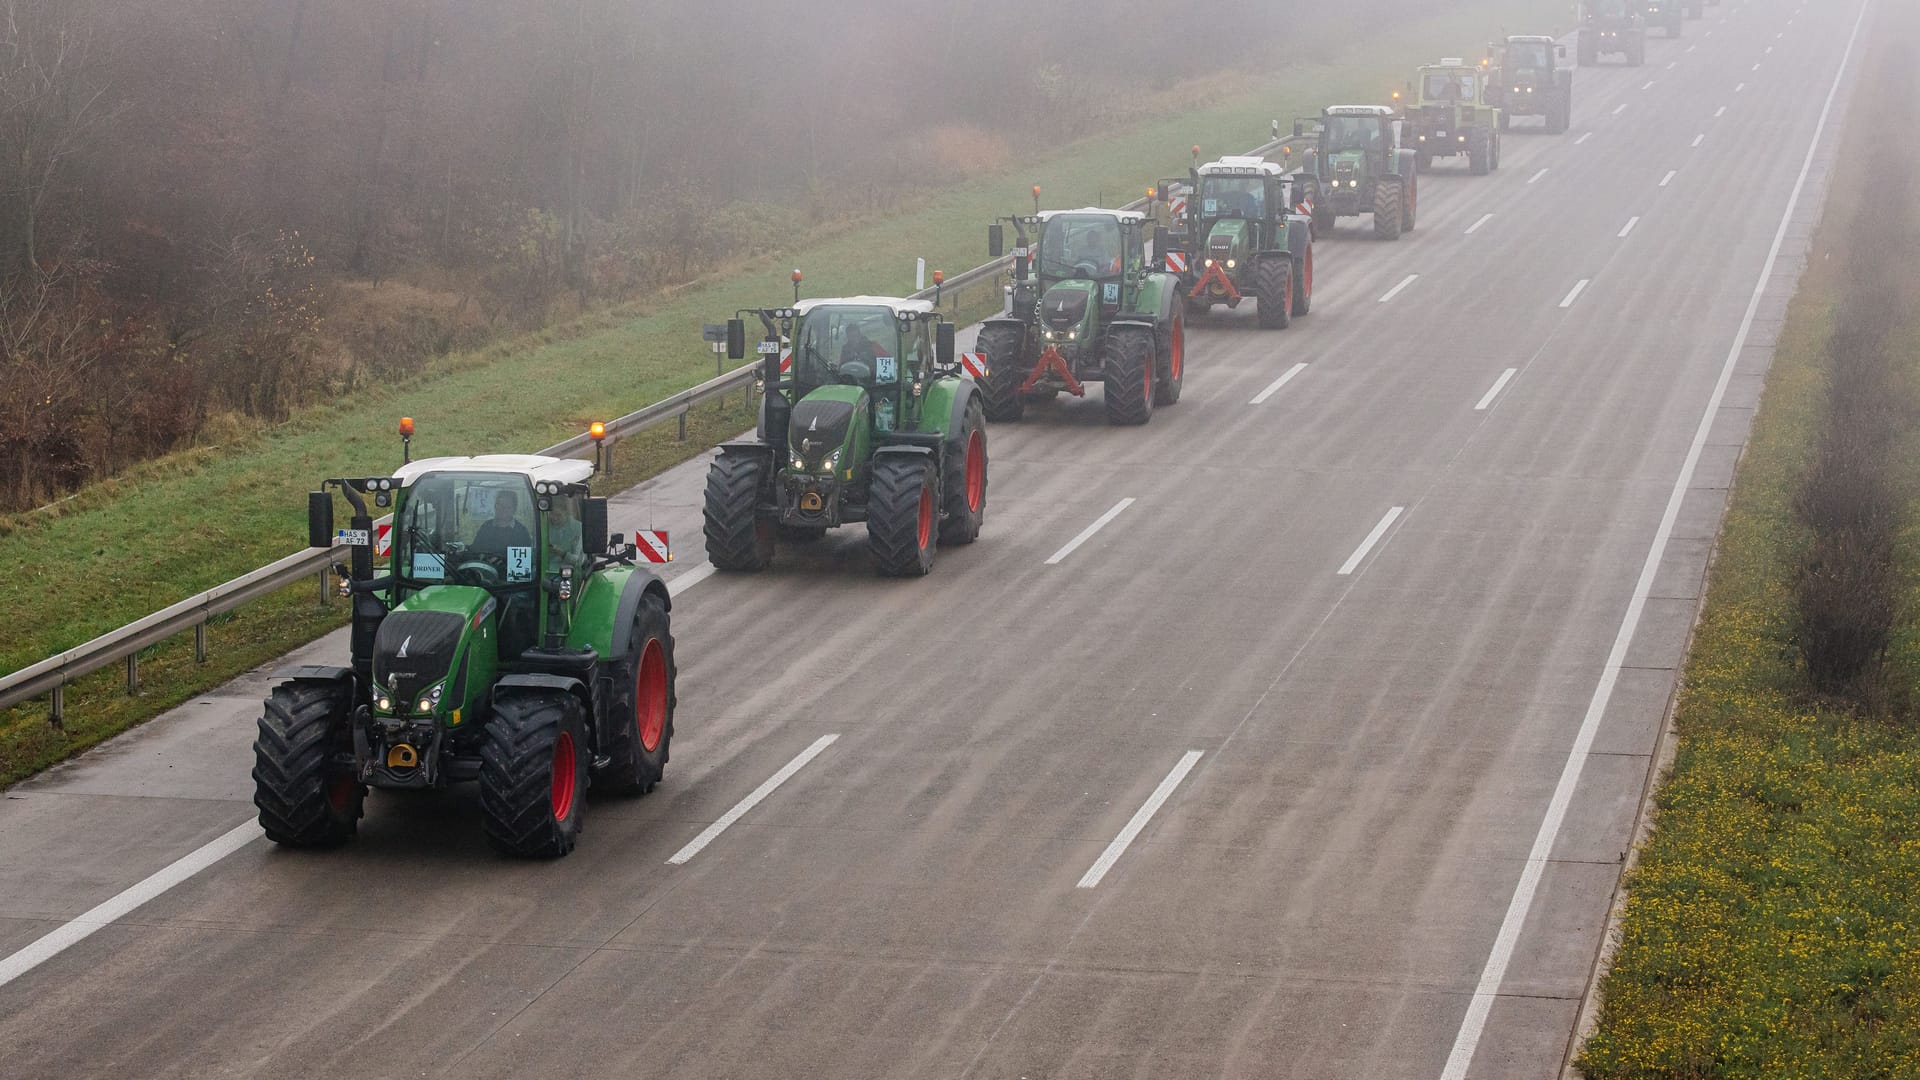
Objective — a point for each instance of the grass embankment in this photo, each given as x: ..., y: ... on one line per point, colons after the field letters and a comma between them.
x: 180, y: 525
x: 1772, y: 927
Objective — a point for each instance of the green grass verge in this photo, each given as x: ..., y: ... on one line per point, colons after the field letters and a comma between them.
x: 180, y: 525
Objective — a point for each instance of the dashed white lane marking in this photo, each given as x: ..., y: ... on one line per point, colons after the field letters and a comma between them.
x: 1698, y: 139
x: 1475, y: 227
x: 1769, y: 51
x: 1536, y: 176
x: 1620, y: 109
x: 1395, y: 291
x: 1494, y: 972
x: 105, y: 914
x: 1380, y: 530
x: 1668, y: 179
x: 1274, y: 386
x: 1583, y: 138
x: 1628, y: 227
x: 689, y: 578
x: 1649, y: 84
x: 1720, y: 112
x: 713, y: 831
x: 1756, y: 67
x: 1578, y: 288
x: 1690, y: 48
x: 1671, y: 64
x: 1739, y: 88
x: 1499, y: 384
x: 1140, y: 818
x: 1087, y: 533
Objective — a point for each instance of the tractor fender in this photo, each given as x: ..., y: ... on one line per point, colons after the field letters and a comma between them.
x: 566, y: 684
x: 639, y: 586
x: 1299, y: 235
x: 315, y: 673
x: 905, y: 450
x: 754, y: 448
x: 964, y: 396
x: 1004, y: 320
x: 1403, y: 162
x: 1153, y: 304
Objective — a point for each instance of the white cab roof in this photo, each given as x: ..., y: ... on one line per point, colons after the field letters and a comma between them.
x: 892, y: 303
x: 1094, y: 211
x: 1359, y: 110
x: 532, y: 466
x: 1243, y: 162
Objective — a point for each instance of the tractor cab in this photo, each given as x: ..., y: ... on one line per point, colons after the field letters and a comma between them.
x: 1529, y: 76
x: 1361, y: 164
x: 1081, y: 258
x: 1613, y: 28
x: 1242, y: 237
x: 1452, y: 114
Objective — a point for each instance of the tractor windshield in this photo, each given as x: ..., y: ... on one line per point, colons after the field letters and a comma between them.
x: 855, y: 345
x: 1085, y: 247
x: 1346, y: 133
x: 1609, y: 9
x: 470, y: 529
x: 1447, y: 86
x: 1527, y: 56
x: 1233, y: 196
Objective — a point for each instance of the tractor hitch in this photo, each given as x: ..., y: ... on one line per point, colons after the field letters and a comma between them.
x: 1052, y: 363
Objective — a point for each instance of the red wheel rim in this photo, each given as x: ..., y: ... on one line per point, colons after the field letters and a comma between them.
x: 650, y: 696
x: 926, y: 515
x: 1179, y: 346
x: 563, y: 770
x: 340, y: 794
x: 976, y: 471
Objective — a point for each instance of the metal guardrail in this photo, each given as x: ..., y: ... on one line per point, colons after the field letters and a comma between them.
x: 51, y: 676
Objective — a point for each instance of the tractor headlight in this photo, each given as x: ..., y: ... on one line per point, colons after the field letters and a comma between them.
x: 1231, y: 263
x: 832, y: 462
x: 1073, y: 335
x: 799, y: 463
x: 1209, y: 262
x: 383, y: 702
x: 430, y: 700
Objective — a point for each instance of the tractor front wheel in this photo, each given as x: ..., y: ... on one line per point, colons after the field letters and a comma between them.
x: 305, y: 799
x: 1128, y: 373
x: 963, y: 491
x: 533, y: 774
x: 1410, y: 204
x: 1273, y: 288
x: 640, y: 716
x: 737, y: 537
x: 1388, y: 200
x: 1303, y: 283
x: 1004, y: 347
x: 900, y: 514
x: 1479, y: 152
x: 1171, y: 368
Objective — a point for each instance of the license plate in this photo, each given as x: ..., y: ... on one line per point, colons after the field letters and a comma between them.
x: 1442, y: 134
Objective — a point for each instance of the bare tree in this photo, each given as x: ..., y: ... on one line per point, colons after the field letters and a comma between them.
x: 52, y: 103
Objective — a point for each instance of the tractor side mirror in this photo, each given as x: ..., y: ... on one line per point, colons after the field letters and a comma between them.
x: 736, y: 339
x: 593, y: 526
x: 319, y: 519
x: 996, y: 241
x: 1299, y: 130
x: 1275, y: 128
x: 943, y: 349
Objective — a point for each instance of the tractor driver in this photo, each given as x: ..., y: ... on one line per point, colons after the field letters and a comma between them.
x: 503, y: 530
x: 1094, y: 246
x: 863, y: 347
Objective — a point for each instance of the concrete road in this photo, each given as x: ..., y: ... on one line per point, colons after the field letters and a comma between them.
x: 1318, y: 758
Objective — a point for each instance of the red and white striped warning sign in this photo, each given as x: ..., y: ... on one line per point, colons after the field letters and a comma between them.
x: 1177, y: 262
x: 974, y: 364
x: 382, y: 541
x: 652, y: 546
x: 1177, y: 205
x: 786, y: 361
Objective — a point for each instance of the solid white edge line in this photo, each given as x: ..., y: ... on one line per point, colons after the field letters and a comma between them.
x: 1536, y: 176
x: 1499, y: 384
x: 1628, y: 227
x: 1668, y: 179
x: 712, y: 832
x: 1475, y: 227
x: 1488, y: 987
x: 1395, y: 291
x: 117, y: 907
x: 1087, y: 533
x: 1274, y: 386
x: 1139, y: 821
x: 1578, y: 288
x: 1359, y: 553
x: 689, y: 579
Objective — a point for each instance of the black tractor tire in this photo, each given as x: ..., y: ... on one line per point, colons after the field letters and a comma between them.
x: 1506, y: 120
x: 738, y: 538
x: 963, y: 491
x: 1588, y: 53
x: 1496, y: 151
x: 1171, y: 365
x: 1303, y: 282
x: 1637, y: 56
x: 1479, y: 152
x: 640, y: 715
x: 901, y: 513
x: 1004, y: 346
x: 533, y: 773
x: 1272, y: 281
x: 1128, y: 371
x: 1410, y: 205
x: 1388, y: 204
x: 1559, y: 113
x: 305, y: 799
x: 1422, y: 160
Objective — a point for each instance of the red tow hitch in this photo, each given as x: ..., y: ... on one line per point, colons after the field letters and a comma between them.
x: 1051, y: 362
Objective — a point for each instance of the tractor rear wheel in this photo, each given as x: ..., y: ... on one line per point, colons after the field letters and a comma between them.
x: 1171, y: 367
x: 1303, y: 283
x: 640, y: 716
x: 901, y: 514
x: 963, y: 490
x: 1589, y: 54
x: 1004, y: 346
x: 1410, y: 204
x: 533, y: 773
x: 1272, y: 280
x: 1128, y: 372
x: 1479, y: 152
x: 1506, y: 120
x: 1387, y: 206
x: 305, y: 800
x: 737, y: 537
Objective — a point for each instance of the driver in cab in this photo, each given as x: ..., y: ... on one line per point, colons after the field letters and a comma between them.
x: 502, y: 531
x: 860, y: 352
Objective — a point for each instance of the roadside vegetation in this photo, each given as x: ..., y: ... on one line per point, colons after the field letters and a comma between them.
x: 1772, y: 927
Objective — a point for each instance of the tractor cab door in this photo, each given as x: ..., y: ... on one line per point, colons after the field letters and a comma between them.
x: 1134, y: 249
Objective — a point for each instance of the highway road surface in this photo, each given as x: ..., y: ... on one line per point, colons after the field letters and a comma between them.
x: 1301, y: 733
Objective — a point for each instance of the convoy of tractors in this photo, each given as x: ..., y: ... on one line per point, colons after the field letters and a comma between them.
x: 510, y: 640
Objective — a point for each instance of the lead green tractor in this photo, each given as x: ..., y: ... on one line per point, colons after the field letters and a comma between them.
x: 1452, y: 115
x: 1085, y: 306
x: 1361, y: 163
x: 868, y: 417
x: 510, y: 642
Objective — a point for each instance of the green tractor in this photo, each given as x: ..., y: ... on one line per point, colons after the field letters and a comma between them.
x: 1453, y: 116
x: 867, y: 417
x: 1085, y: 306
x: 1239, y: 236
x: 510, y: 642
x: 1667, y: 14
x: 1361, y: 164
x: 1529, y: 79
x: 1612, y: 28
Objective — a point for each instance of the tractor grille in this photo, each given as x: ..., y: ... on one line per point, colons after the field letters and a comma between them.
x: 1063, y: 309
x: 818, y: 428
x: 414, y: 649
